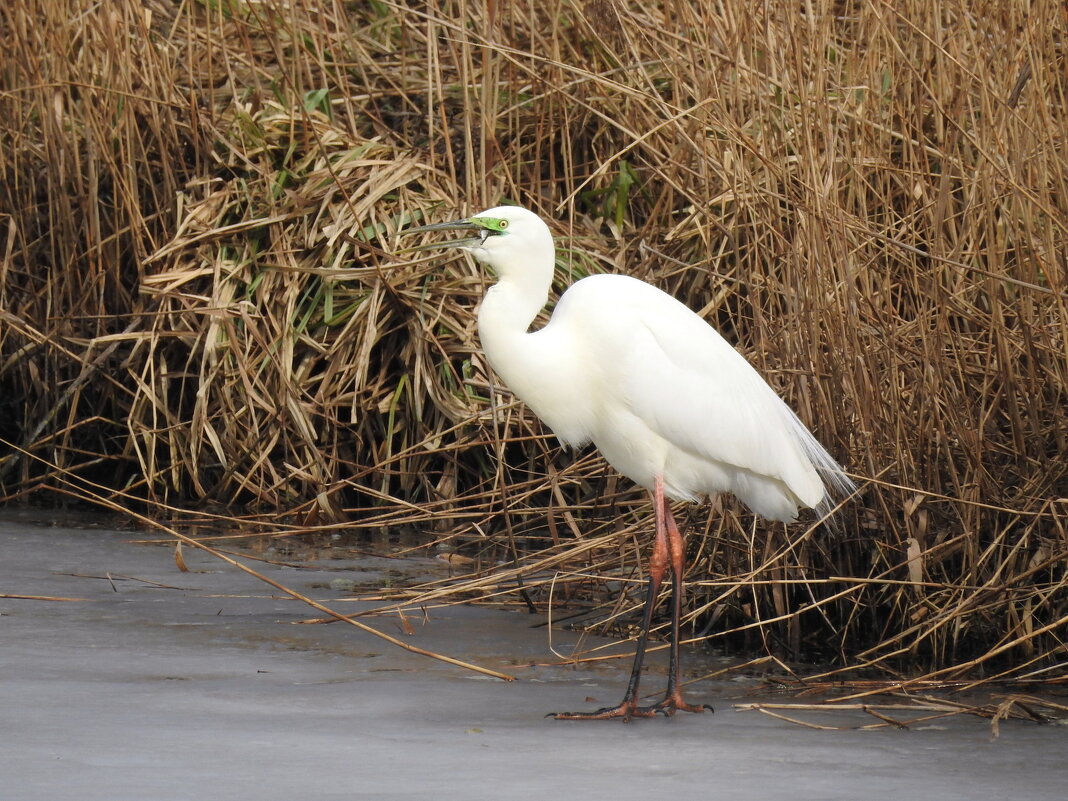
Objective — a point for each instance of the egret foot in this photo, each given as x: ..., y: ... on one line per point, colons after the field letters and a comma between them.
x: 625, y: 710
x: 673, y: 703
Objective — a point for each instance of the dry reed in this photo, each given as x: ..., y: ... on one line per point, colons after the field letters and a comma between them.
x: 198, y: 305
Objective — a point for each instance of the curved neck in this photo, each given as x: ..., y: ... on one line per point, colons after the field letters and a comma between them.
x: 537, y: 366
x: 521, y: 291
x: 510, y: 307
x: 505, y: 316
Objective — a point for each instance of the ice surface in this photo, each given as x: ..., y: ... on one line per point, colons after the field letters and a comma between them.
x: 203, y: 689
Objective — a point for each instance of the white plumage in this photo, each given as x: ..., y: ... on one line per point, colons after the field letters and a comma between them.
x: 668, y: 402
x: 657, y: 389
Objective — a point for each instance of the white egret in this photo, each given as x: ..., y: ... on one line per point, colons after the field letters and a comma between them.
x: 669, y: 403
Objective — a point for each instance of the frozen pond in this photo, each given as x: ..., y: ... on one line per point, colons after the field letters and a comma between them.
x: 169, y: 685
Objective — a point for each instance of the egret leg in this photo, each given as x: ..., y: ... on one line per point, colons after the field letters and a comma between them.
x: 658, y: 562
x: 673, y: 701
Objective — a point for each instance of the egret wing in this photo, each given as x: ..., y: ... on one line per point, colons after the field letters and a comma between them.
x: 689, y: 386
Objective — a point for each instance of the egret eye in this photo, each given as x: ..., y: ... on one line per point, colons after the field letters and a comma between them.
x: 502, y: 225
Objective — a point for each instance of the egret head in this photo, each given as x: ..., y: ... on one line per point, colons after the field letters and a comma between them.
x: 507, y: 238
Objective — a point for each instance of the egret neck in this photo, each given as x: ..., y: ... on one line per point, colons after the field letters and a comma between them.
x: 531, y: 363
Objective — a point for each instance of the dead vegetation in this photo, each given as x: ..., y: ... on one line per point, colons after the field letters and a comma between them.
x: 200, y: 307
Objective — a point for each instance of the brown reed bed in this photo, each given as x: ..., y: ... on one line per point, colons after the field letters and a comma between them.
x: 203, y: 312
